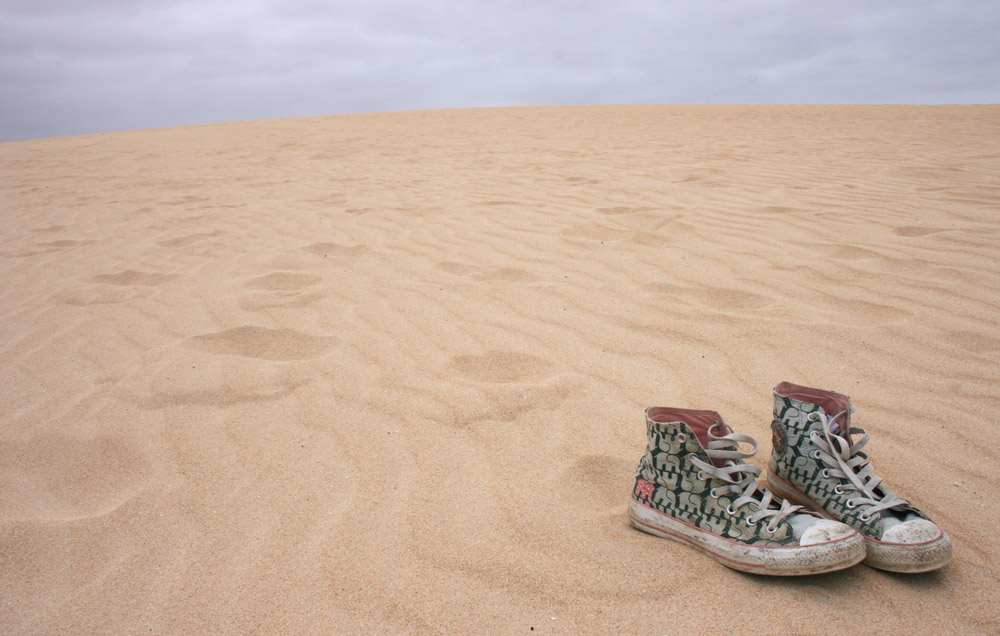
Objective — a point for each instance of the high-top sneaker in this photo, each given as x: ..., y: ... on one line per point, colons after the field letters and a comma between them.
x: 817, y: 461
x: 693, y: 486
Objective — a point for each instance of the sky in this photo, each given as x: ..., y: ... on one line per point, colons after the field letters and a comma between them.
x: 81, y: 66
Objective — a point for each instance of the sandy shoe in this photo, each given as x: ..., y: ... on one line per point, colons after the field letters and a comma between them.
x: 817, y: 461
x: 693, y: 486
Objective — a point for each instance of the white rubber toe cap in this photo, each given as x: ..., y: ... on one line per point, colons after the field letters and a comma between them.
x: 913, y: 531
x: 824, y: 531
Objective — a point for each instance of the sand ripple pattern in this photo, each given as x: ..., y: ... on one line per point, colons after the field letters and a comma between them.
x: 385, y: 373
x: 264, y: 343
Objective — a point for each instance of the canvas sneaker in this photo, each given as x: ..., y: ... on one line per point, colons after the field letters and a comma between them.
x: 693, y: 486
x: 817, y: 461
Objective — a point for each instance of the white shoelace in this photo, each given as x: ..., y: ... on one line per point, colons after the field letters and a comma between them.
x: 844, y: 460
x: 741, y: 478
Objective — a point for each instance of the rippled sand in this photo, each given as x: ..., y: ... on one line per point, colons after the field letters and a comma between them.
x: 386, y: 373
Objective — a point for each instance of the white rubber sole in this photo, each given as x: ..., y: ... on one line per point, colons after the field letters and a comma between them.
x: 910, y: 558
x: 817, y: 558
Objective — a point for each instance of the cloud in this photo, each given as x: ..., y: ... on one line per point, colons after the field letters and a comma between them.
x: 70, y: 67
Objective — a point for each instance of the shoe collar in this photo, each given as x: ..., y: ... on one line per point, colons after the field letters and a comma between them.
x: 831, y: 402
x: 698, y: 421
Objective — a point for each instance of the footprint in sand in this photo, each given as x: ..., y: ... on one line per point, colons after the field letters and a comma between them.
x: 187, y: 239
x: 713, y: 298
x: 62, y: 478
x: 185, y: 200
x: 262, y: 300
x: 510, y: 274
x: 46, y: 248
x: 913, y: 230
x: 263, y: 343
x: 131, y: 277
x: 213, y: 381
x: 973, y: 342
x: 280, y: 290
x: 621, y: 210
x: 851, y: 312
x: 844, y: 251
x: 458, y: 269
x: 94, y: 296
x: 282, y: 281
x: 62, y: 243
x: 501, y: 366
x: 780, y: 209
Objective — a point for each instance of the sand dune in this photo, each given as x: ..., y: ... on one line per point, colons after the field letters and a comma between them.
x: 386, y: 373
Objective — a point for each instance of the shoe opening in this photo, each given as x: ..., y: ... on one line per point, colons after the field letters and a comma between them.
x: 698, y: 421
x: 831, y: 402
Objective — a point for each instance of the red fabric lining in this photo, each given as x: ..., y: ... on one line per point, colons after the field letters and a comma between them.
x: 698, y: 421
x: 830, y: 401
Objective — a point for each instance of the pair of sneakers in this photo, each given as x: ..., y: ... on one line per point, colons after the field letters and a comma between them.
x: 825, y: 509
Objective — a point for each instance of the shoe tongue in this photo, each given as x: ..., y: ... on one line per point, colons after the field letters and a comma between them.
x: 800, y: 523
x: 700, y: 425
x: 831, y: 402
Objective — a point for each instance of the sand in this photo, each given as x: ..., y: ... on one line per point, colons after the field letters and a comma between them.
x: 386, y: 373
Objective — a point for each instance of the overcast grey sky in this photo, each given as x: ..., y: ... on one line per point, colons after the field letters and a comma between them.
x: 79, y: 66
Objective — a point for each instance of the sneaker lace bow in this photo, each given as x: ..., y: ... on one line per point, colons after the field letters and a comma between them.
x: 844, y: 460
x: 741, y: 478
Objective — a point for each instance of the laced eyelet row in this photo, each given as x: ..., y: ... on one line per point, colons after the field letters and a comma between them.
x: 863, y: 516
x: 768, y: 529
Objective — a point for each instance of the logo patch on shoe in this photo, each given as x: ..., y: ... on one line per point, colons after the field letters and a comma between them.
x: 643, y: 489
x: 779, y: 437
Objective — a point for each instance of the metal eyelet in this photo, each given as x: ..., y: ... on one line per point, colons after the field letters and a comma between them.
x: 749, y: 523
x: 713, y: 494
x: 837, y: 489
x: 681, y: 437
x: 770, y: 530
x: 814, y: 454
x: 701, y: 475
x: 864, y: 517
x: 729, y: 510
x: 850, y: 504
x: 825, y: 474
x: 813, y: 417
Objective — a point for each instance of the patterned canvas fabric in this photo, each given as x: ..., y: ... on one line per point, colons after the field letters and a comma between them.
x: 792, y: 460
x: 668, y: 482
